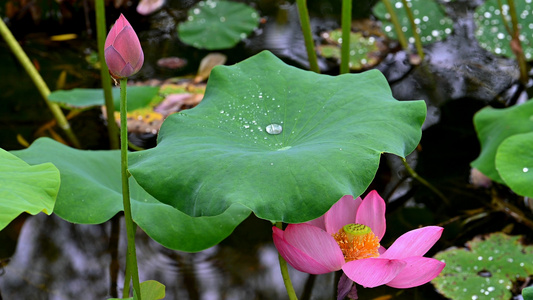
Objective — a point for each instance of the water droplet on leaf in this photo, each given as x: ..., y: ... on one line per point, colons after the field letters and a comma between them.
x: 274, y: 129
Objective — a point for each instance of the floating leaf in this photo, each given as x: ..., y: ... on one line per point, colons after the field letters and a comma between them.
x: 493, y: 126
x: 429, y: 16
x: 25, y: 188
x: 91, y: 193
x: 492, y: 34
x: 213, y: 24
x: 364, y: 51
x: 138, y: 97
x: 514, y: 162
x: 486, y: 270
x: 284, y: 142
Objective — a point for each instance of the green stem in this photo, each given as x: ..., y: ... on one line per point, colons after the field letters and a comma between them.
x: 424, y: 182
x: 38, y: 81
x: 414, y: 28
x: 394, y: 19
x: 346, y: 21
x: 518, y: 50
x: 285, y: 273
x: 131, y: 258
x: 308, y: 36
x: 112, y: 128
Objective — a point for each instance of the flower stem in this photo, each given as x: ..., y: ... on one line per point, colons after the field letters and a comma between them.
x: 414, y: 28
x: 112, y: 128
x: 516, y: 45
x: 346, y: 21
x: 308, y: 36
x: 285, y: 273
x: 397, y: 27
x: 38, y: 81
x: 131, y: 257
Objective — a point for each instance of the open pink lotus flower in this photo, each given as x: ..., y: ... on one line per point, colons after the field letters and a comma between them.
x: 347, y: 237
x: 123, y: 53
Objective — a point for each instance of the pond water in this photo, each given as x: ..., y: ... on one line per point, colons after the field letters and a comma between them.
x: 44, y: 257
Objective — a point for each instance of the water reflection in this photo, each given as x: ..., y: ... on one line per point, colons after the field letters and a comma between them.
x: 58, y: 260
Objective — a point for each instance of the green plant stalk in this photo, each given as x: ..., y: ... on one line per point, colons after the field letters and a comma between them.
x: 38, y: 81
x: 394, y: 19
x: 131, y: 258
x: 104, y: 74
x: 285, y: 273
x: 520, y: 57
x: 414, y: 28
x: 346, y: 22
x: 303, y: 13
x: 423, y: 181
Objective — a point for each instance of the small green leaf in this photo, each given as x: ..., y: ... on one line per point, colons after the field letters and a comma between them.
x: 492, y: 34
x: 514, y: 162
x: 213, y: 24
x: 284, y: 142
x: 25, y: 188
x: 138, y: 97
x: 433, y: 23
x: 486, y: 270
x: 493, y: 126
x: 527, y: 293
x: 150, y: 290
x: 91, y: 193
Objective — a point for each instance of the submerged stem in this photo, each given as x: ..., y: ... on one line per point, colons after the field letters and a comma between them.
x: 38, y: 81
x: 285, y: 273
x: 131, y: 257
x: 346, y: 30
x: 303, y: 13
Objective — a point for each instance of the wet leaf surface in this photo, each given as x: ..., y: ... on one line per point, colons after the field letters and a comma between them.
x: 487, y: 269
x: 429, y: 16
x: 284, y: 142
x: 214, y: 24
x: 491, y: 30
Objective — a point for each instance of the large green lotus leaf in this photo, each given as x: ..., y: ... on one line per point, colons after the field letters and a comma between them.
x: 429, y: 16
x: 486, y: 270
x: 493, y: 126
x: 492, y: 34
x: 91, y: 193
x: 25, y: 188
x: 138, y: 97
x: 213, y: 24
x: 333, y: 131
x: 514, y: 162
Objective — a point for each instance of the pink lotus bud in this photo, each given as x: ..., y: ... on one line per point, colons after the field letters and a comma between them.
x: 123, y: 53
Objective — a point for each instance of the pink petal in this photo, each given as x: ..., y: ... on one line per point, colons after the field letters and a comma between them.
x: 308, y: 248
x: 341, y: 213
x: 414, y: 243
x: 372, y: 272
x: 418, y: 271
x: 372, y: 214
x: 127, y: 44
x: 318, y: 222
